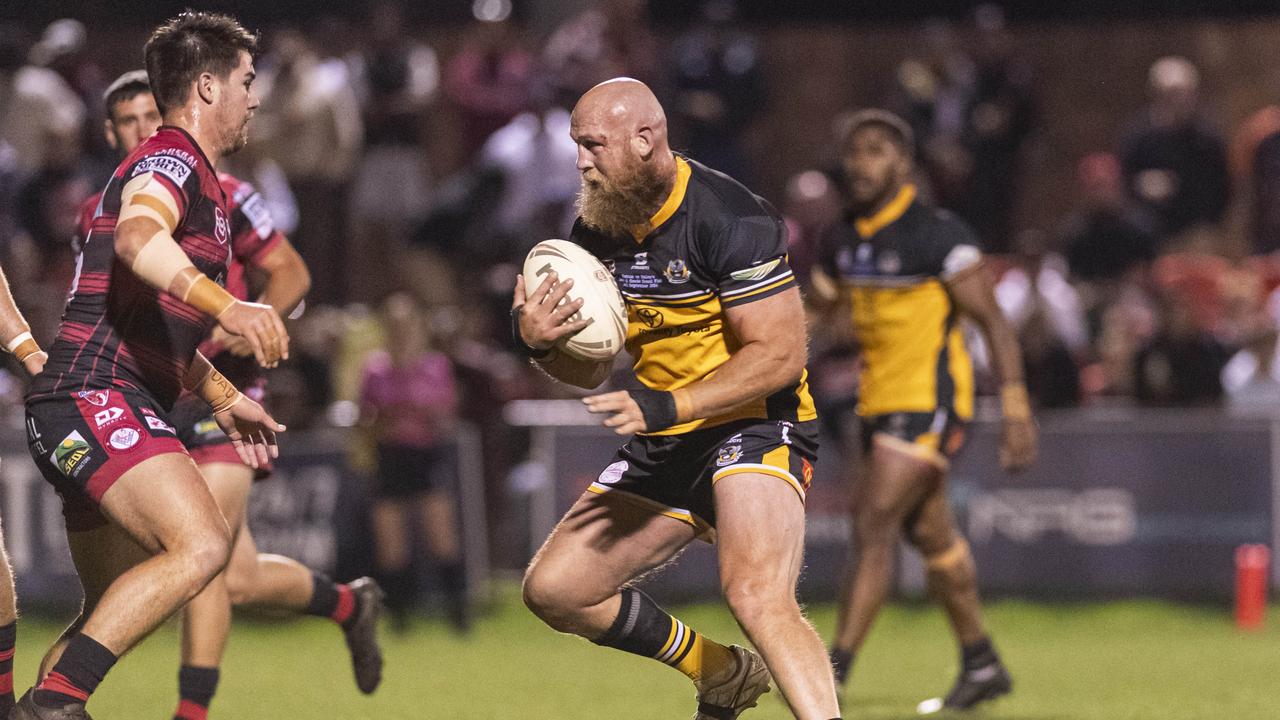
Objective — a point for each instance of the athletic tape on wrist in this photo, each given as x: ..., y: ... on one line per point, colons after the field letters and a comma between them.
x: 218, y: 391
x: 657, y: 406
x: 1015, y: 404
x: 524, y: 347
x: 13, y: 345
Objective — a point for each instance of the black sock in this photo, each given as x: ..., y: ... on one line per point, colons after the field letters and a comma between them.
x: 401, y: 586
x: 196, y: 686
x: 841, y: 662
x: 978, y: 654
x: 324, y: 596
x: 641, y: 626
x: 453, y: 580
x: 76, y: 675
x: 8, y: 639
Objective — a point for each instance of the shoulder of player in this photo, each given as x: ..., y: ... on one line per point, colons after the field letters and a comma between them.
x: 169, y: 155
x: 720, y: 199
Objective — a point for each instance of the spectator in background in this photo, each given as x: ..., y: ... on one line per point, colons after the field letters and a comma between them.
x: 612, y: 38
x: 43, y: 117
x: 1182, y: 365
x: 397, y: 77
x: 488, y: 79
x: 717, y: 88
x: 1000, y: 117
x: 309, y: 124
x: 811, y: 205
x: 1258, y: 174
x: 409, y: 403
x: 1175, y: 165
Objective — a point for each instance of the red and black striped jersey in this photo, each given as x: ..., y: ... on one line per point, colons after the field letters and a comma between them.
x: 117, y: 331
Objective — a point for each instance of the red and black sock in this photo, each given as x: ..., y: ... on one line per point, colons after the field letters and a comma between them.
x: 332, y: 600
x: 76, y: 675
x: 196, y: 686
x: 8, y: 639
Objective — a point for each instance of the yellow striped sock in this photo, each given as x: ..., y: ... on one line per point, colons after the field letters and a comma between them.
x: 704, y: 658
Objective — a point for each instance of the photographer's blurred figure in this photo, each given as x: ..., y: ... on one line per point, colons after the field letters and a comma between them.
x: 409, y: 404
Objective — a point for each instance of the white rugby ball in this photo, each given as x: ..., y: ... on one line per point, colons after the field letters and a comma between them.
x: 592, y: 281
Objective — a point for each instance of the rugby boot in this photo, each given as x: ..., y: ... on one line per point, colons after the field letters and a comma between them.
x: 726, y: 700
x: 362, y: 634
x: 972, y: 688
x: 26, y: 709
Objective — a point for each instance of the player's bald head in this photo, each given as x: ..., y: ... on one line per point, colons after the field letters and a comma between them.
x: 618, y: 110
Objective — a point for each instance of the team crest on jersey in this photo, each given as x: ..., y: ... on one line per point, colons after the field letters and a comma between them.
x: 889, y: 263
x: 124, y: 438
x: 728, y: 455
x: 70, y: 454
x: 221, y: 226
x: 95, y: 397
x: 677, y: 273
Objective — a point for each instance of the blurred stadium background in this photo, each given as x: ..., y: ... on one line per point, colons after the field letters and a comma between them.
x: 1121, y: 161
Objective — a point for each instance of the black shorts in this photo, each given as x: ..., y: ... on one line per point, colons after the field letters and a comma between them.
x: 404, y: 470
x: 673, y: 474
x: 204, y: 440
x: 82, y: 442
x: 937, y: 435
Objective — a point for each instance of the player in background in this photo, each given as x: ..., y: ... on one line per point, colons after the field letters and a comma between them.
x: 724, y: 426
x: 251, y: 578
x: 15, y: 334
x: 145, y: 294
x: 903, y: 273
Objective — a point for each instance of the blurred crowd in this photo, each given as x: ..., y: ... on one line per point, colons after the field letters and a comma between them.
x: 402, y: 169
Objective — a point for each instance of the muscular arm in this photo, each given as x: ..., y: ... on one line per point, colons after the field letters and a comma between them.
x: 972, y: 293
x: 288, y: 279
x: 15, y: 333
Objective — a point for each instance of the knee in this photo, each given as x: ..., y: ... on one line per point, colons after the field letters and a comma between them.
x: 239, y: 583
x: 755, y: 601
x: 207, y: 552
x: 549, y: 598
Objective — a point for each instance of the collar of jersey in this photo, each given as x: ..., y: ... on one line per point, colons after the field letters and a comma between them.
x: 683, y: 171
x: 867, y: 227
x: 194, y: 144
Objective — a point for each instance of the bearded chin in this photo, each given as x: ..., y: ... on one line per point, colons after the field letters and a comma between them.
x: 615, y: 210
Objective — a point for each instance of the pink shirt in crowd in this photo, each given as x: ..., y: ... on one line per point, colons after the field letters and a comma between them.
x: 415, y: 405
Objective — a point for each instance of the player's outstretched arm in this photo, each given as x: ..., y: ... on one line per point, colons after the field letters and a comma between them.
x: 144, y: 242
x: 288, y: 281
x: 973, y: 294
x: 15, y: 333
x: 249, y: 427
x: 539, y: 320
x: 772, y: 356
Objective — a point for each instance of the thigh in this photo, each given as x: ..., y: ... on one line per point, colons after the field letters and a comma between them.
x: 229, y: 483
x: 931, y: 525
x: 759, y: 531
x: 605, y: 542
x: 101, y: 555
x: 898, y: 472
x: 162, y: 500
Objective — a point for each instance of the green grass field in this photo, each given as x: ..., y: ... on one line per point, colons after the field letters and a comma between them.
x: 1116, y: 661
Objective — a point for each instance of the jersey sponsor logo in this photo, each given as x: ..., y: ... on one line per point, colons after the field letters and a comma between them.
x: 124, y: 438
x: 677, y: 273
x: 641, y: 260
x: 170, y: 167
x: 758, y: 272
x: 255, y: 208
x: 613, y: 473
x: 32, y: 432
x: 156, y: 423
x: 650, y: 317
x: 70, y: 454
x: 103, y: 418
x: 221, y: 226
x: 95, y: 397
x: 806, y: 472
x: 728, y: 455
x: 147, y: 411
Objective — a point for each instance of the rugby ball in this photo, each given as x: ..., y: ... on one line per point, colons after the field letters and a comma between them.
x: 592, y: 281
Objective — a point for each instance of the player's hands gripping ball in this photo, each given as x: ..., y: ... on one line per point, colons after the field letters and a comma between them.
x: 544, y: 315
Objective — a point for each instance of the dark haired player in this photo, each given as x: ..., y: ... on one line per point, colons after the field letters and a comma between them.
x: 251, y: 578
x: 724, y: 436
x: 903, y: 273
x: 145, y: 290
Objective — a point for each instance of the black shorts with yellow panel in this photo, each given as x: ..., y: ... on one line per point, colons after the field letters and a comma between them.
x: 934, y: 437
x: 674, y: 475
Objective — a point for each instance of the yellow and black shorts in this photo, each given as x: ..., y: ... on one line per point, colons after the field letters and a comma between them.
x: 933, y: 436
x: 673, y: 474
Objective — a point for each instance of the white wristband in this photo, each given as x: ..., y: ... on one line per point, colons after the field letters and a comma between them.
x: 13, y: 344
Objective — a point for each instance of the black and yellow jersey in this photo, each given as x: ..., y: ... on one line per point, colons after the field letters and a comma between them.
x: 711, y: 246
x: 891, y: 268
